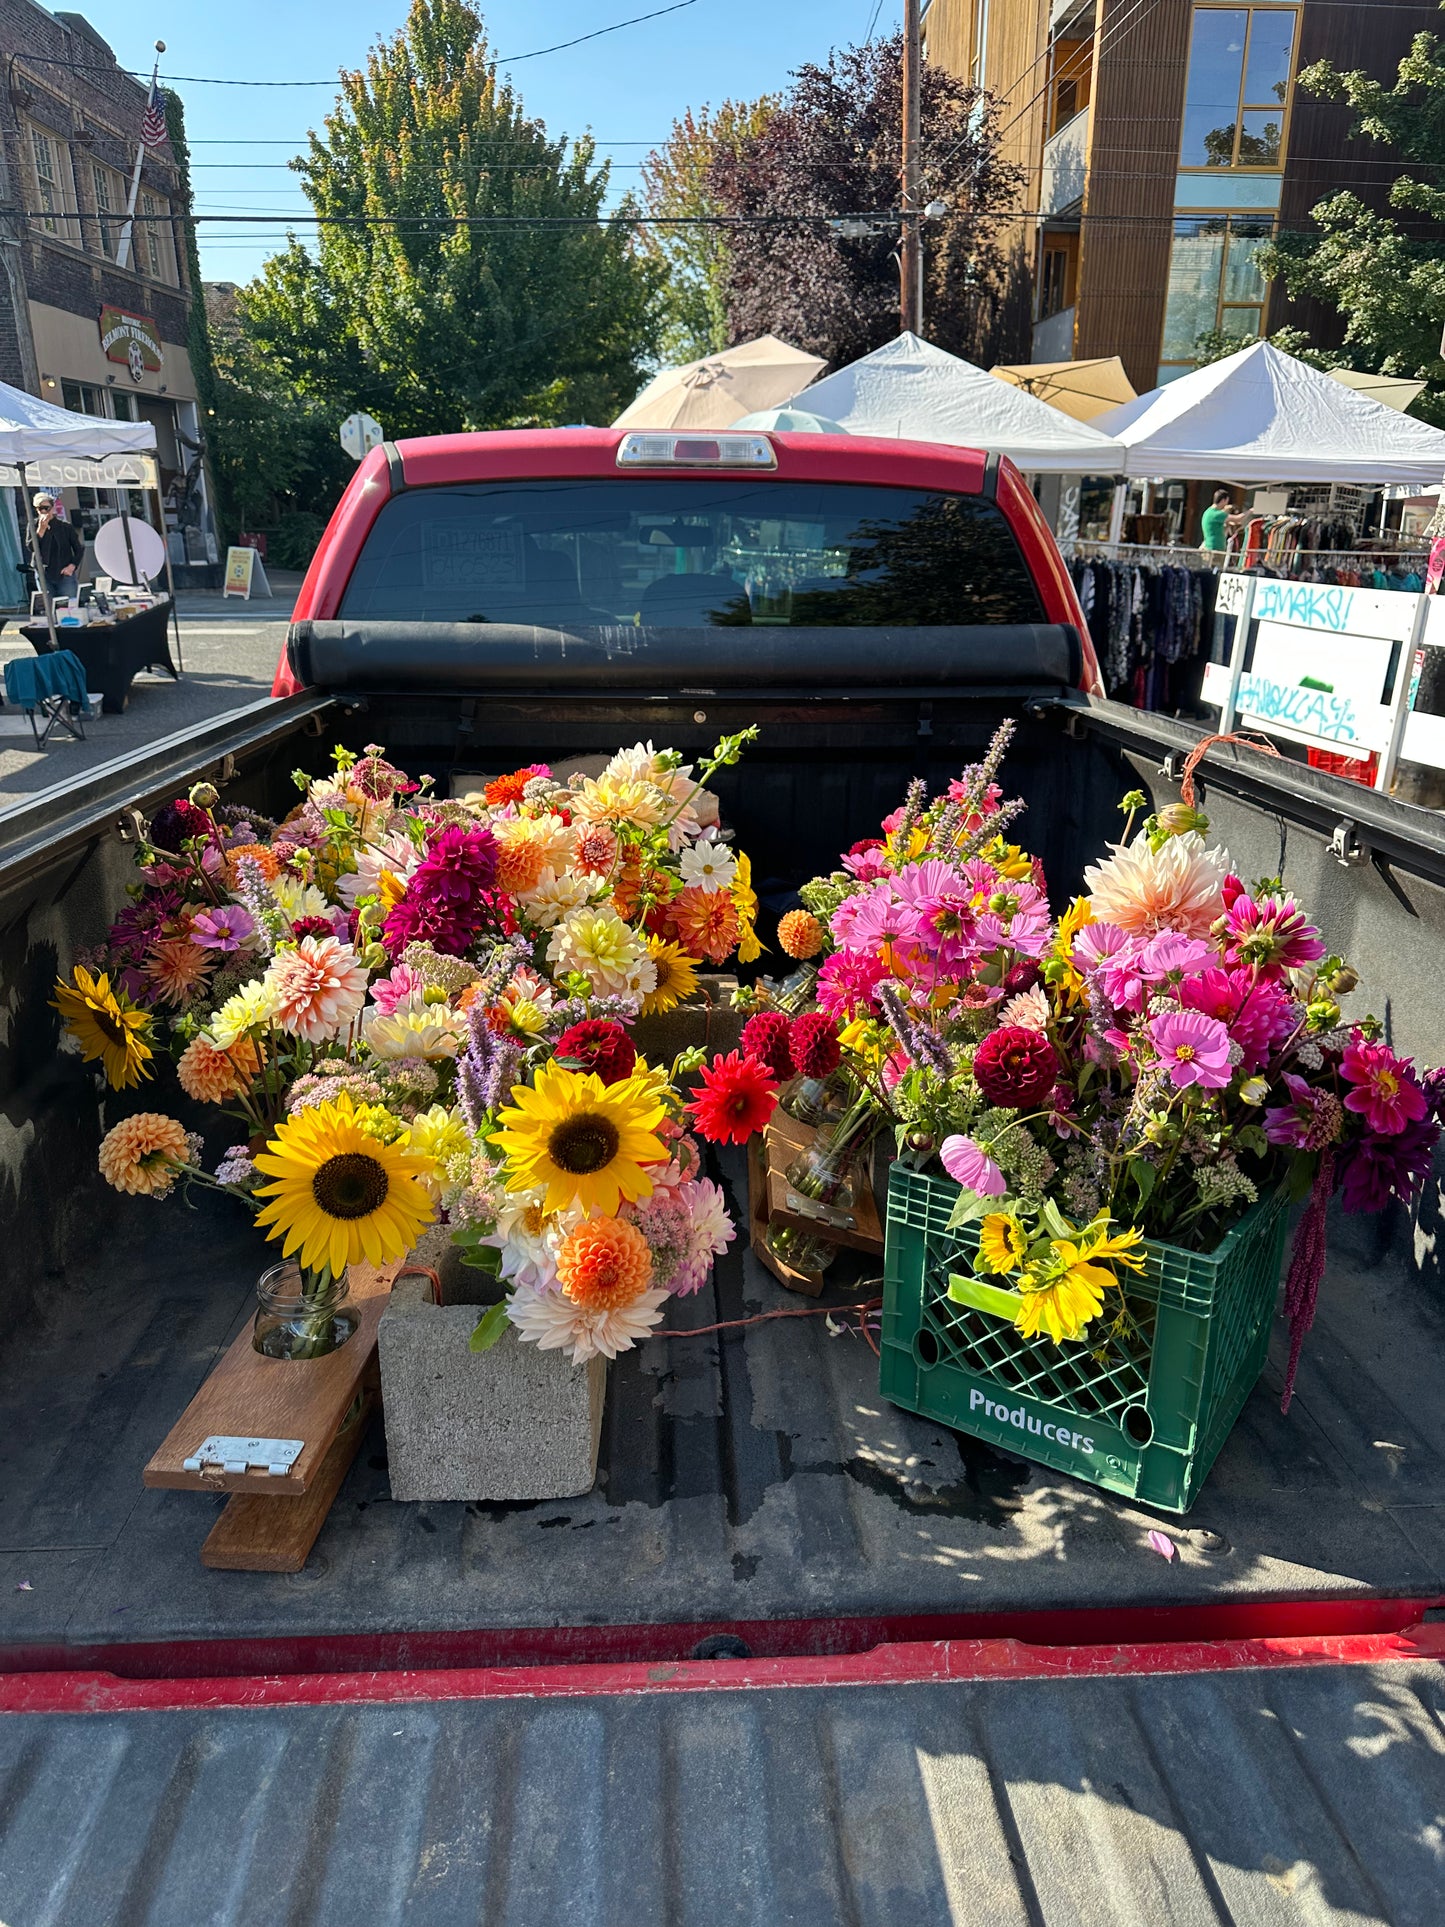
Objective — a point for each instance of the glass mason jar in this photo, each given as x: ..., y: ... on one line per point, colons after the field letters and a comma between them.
x: 795, y: 993
x: 302, y: 1314
x: 823, y: 1183
x: 816, y: 1100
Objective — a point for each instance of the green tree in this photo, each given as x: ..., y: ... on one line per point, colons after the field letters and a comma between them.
x: 1383, y: 270
x: 676, y: 186
x: 465, y: 272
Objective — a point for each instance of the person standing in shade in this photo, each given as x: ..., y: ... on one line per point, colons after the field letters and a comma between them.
x: 60, y: 546
x: 1214, y: 526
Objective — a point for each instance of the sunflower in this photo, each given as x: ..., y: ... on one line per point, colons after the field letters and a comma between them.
x: 1002, y: 1242
x: 1064, y: 1300
x: 676, y: 976
x: 339, y: 1195
x: 584, y: 1140
x: 107, y: 1025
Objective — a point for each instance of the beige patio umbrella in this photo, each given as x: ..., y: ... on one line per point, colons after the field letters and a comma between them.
x: 1081, y: 389
x: 1392, y: 391
x: 714, y: 392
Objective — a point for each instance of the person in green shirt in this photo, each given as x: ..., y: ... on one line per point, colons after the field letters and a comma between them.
x: 1214, y: 524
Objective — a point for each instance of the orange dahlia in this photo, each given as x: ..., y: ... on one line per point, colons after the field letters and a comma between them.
x: 142, y: 1154
x: 604, y: 1264
x: 211, y: 1075
x: 270, y: 866
x: 176, y: 966
x: 508, y: 789
x: 520, y: 866
x: 706, y: 922
x: 596, y: 849
x: 800, y: 934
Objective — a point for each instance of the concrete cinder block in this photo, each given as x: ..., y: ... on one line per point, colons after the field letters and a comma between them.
x: 709, y: 1020
x: 510, y: 1423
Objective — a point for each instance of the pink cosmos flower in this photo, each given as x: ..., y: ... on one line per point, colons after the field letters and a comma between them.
x: 1096, y: 941
x: 1171, y: 953
x: 1386, y: 1092
x: 1193, y: 1048
x: 1123, y: 978
x: 398, y: 989
x: 967, y: 1165
x: 228, y: 926
x: 1272, y: 932
x: 867, y: 865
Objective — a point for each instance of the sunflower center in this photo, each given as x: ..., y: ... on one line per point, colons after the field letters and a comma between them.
x: 583, y: 1144
x: 350, y: 1185
x: 110, y: 1028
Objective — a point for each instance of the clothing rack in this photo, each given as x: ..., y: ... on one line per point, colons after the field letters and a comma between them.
x: 1150, y: 615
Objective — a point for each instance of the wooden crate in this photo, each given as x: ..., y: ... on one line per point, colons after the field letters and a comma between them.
x: 769, y: 1201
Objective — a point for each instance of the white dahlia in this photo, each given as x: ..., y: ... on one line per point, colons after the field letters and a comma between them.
x: 552, y: 1322
x: 1176, y: 887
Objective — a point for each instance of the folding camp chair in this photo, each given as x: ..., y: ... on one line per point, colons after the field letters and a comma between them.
x: 52, y: 687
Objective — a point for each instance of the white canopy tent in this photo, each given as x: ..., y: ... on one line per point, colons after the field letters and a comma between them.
x: 916, y: 392
x: 37, y: 440
x: 1262, y: 416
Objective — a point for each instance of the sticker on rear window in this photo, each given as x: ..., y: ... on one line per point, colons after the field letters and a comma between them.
x: 460, y: 555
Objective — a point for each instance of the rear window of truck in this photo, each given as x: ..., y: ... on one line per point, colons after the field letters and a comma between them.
x: 713, y: 553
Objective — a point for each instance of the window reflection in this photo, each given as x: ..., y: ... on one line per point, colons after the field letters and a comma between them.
x: 1239, y: 71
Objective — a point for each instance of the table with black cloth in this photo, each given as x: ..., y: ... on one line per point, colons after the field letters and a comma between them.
x: 113, y: 651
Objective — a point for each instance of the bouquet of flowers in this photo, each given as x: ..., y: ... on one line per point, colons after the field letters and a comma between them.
x: 1168, y: 1051
x: 416, y: 1007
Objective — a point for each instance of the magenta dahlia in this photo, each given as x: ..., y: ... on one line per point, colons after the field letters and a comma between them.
x: 446, y: 902
x: 600, y: 1045
x: 1015, y: 1068
x: 813, y: 1043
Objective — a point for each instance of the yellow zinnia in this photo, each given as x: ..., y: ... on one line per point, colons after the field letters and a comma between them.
x: 585, y: 1141
x: 338, y: 1194
x: 676, y: 976
x: 1002, y: 1242
x: 107, y: 1025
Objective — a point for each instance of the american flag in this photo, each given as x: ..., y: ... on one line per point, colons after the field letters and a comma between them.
x: 153, y: 125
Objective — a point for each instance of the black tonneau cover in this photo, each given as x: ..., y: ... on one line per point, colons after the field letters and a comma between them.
x: 359, y: 654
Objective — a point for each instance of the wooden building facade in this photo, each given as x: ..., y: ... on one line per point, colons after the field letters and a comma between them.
x: 1163, y: 143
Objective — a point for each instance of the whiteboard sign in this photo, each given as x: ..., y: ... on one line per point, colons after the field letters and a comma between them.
x: 1301, y: 714
x: 1327, y: 608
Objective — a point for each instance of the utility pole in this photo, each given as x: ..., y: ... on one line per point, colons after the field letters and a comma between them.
x: 910, y: 254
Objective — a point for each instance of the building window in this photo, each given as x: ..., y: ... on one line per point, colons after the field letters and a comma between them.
x: 1073, y: 70
x: 1241, y: 63
x: 1215, y: 285
x: 153, y: 242
x: 109, y: 201
x: 1055, y: 279
x: 54, y: 188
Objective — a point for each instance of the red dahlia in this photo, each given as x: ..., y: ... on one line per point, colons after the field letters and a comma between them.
x: 313, y: 927
x: 598, y: 1045
x: 813, y: 1042
x: 766, y: 1038
x: 1015, y: 1068
x: 737, y: 1098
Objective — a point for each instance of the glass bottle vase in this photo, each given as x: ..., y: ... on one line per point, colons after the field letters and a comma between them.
x: 302, y: 1314
x: 823, y: 1182
x: 816, y: 1100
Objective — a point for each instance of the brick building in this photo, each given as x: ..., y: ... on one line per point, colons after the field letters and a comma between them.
x: 75, y: 328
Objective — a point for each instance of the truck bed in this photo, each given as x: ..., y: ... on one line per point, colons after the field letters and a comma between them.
x: 749, y: 1479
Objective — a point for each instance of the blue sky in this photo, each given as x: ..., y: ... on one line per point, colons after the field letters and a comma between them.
x: 627, y: 87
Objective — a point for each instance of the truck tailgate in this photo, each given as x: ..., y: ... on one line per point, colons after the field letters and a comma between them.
x: 1256, y: 1794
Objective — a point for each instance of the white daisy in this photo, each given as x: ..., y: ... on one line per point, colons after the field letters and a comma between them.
x: 711, y: 866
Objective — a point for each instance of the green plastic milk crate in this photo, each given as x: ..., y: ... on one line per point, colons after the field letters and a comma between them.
x: 1141, y: 1408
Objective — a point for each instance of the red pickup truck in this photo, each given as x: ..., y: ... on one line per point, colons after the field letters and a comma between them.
x: 582, y: 532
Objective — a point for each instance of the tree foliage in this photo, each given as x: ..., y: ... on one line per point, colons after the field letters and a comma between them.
x: 832, y: 147
x: 676, y: 186
x: 1383, y: 270
x: 466, y: 274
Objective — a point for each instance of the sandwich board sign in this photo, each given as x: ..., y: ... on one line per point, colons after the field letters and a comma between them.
x: 245, y: 573
x: 360, y: 433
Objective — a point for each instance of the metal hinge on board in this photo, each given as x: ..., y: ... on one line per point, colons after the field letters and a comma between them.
x: 1346, y: 848
x: 222, y: 1452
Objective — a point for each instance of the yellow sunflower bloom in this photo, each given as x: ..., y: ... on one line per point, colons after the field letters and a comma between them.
x: 107, y: 1025
x: 1061, y: 1303
x: 1002, y: 1242
x: 337, y: 1194
x: 585, y: 1141
x: 676, y: 976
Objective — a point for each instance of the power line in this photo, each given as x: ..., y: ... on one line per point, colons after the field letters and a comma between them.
x: 510, y: 60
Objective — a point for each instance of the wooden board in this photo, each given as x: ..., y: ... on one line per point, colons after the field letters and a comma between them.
x: 810, y: 1284
x: 276, y: 1534
x: 248, y: 1396
x: 785, y: 1139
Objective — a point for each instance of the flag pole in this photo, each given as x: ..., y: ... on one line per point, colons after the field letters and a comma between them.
x: 122, y: 253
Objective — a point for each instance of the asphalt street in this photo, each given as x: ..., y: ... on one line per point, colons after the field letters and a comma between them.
x: 228, y: 650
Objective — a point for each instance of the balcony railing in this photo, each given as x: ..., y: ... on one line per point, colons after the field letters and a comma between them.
x: 1065, y: 163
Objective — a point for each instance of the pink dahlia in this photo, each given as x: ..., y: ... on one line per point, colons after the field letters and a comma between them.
x: 1272, y: 932
x: 1259, y: 1014
x: 1143, y: 890
x: 1385, y: 1090
x: 319, y: 987
x: 846, y: 984
x: 446, y: 902
x: 1194, y: 1049
x: 967, y: 1165
x: 1015, y: 1067
x: 398, y: 990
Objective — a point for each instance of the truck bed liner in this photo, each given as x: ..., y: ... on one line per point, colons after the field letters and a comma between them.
x: 746, y: 1476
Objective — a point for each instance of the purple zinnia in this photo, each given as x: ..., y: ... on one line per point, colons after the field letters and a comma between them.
x: 1377, y: 1168
x: 446, y: 902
